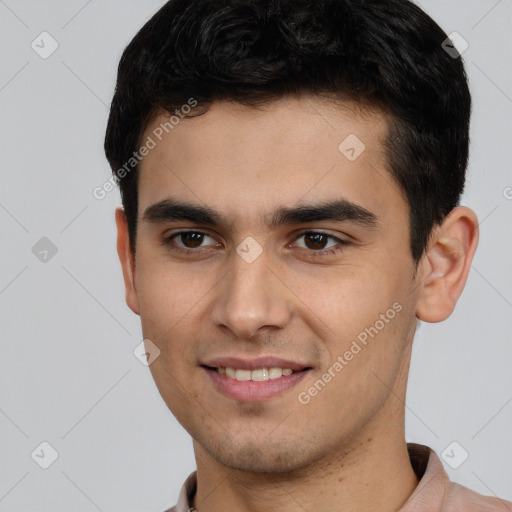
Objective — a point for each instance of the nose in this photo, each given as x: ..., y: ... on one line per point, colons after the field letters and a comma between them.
x: 251, y: 298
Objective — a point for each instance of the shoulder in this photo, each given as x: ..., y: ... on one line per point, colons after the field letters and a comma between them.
x: 436, y: 493
x: 459, y: 497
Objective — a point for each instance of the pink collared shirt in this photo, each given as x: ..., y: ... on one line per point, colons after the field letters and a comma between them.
x: 434, y: 493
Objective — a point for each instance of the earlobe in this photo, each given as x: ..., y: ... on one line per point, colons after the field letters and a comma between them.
x: 126, y: 258
x: 446, y: 264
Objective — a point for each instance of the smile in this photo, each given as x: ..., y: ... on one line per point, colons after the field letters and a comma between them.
x: 248, y: 385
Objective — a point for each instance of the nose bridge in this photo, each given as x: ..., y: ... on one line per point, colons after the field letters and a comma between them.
x: 250, y: 297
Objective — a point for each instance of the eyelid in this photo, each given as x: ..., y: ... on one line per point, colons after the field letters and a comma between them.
x: 312, y: 231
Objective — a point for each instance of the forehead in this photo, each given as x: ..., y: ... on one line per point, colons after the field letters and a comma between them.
x: 243, y: 160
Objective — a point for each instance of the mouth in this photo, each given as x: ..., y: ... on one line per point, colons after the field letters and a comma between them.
x: 254, y: 381
x: 257, y: 375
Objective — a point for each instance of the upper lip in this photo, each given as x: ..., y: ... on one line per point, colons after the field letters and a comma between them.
x: 254, y: 364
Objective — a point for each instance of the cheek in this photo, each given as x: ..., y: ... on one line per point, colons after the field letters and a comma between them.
x: 365, y: 319
x: 363, y: 370
x: 347, y: 299
x: 170, y: 302
x: 168, y: 292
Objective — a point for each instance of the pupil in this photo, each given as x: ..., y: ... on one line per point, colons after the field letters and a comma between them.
x: 192, y: 239
x: 317, y: 241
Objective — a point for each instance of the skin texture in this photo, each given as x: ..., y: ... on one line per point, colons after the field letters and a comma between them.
x: 336, y: 452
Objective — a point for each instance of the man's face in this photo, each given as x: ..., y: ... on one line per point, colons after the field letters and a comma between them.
x: 249, y: 283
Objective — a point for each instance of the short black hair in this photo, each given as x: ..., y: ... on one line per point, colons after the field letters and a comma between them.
x: 386, y: 54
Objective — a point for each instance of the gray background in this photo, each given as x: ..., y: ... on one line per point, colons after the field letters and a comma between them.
x: 68, y: 373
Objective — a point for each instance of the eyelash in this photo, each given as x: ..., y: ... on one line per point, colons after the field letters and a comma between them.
x: 169, y: 242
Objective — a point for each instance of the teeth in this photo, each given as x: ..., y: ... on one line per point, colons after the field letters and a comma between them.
x: 258, y: 375
x: 275, y: 373
x: 243, y: 374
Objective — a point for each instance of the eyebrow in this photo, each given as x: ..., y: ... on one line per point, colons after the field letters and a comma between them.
x: 339, y: 211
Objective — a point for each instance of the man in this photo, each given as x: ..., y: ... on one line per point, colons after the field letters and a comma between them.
x: 290, y: 175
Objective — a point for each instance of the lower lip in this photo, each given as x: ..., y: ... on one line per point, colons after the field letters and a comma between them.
x: 249, y: 390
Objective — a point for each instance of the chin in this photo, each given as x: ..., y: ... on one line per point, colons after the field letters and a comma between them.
x: 261, y: 457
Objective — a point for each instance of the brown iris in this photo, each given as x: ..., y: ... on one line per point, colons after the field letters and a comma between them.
x: 192, y: 239
x: 315, y: 240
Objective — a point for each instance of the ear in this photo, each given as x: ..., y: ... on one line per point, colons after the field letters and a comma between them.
x: 127, y: 261
x: 445, y: 265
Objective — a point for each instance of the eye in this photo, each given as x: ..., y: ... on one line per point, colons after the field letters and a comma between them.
x: 319, y: 243
x: 187, y: 241
x: 313, y: 243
